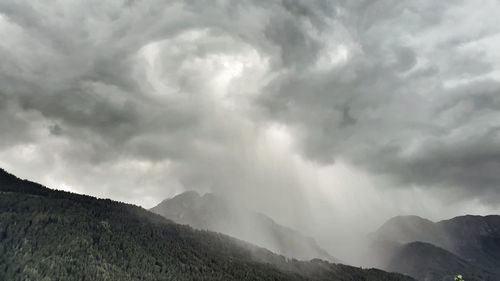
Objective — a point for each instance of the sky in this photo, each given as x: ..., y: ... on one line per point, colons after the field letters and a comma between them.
x: 325, y: 115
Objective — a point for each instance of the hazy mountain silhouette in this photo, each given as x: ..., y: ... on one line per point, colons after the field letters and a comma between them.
x: 469, y: 245
x: 214, y: 213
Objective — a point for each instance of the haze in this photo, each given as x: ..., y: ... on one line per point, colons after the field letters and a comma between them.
x: 328, y: 116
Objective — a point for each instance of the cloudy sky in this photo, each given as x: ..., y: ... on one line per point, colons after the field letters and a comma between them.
x: 316, y: 112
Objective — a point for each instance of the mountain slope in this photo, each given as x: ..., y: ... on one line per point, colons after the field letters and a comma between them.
x: 214, y: 213
x: 475, y: 238
x: 468, y: 244
x: 404, y: 229
x: 425, y: 261
x: 54, y: 235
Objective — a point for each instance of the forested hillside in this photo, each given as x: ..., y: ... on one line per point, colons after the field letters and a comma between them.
x: 54, y: 235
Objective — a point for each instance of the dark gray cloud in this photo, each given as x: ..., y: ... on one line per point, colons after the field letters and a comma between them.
x: 139, y: 100
x: 399, y: 83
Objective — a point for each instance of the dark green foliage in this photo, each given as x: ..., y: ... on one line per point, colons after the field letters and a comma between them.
x: 54, y: 235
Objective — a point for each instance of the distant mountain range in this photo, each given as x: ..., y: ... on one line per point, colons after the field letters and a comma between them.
x: 469, y: 245
x: 54, y: 235
x: 215, y: 213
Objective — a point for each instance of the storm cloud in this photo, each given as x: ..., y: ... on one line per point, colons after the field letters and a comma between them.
x: 297, y: 108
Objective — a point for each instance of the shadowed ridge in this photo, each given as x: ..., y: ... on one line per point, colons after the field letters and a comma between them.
x: 485, y: 224
x: 425, y: 261
x: 6, y: 176
x: 10, y: 183
x: 435, y: 250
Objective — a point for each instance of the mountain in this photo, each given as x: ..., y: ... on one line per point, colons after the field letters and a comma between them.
x: 425, y: 261
x: 54, y: 235
x: 214, y: 213
x: 404, y: 229
x: 469, y: 245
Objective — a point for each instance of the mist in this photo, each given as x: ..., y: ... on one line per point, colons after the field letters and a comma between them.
x: 328, y: 116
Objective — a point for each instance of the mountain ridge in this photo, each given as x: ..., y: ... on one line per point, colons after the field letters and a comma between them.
x: 212, y: 212
x: 47, y: 234
x: 470, y: 240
